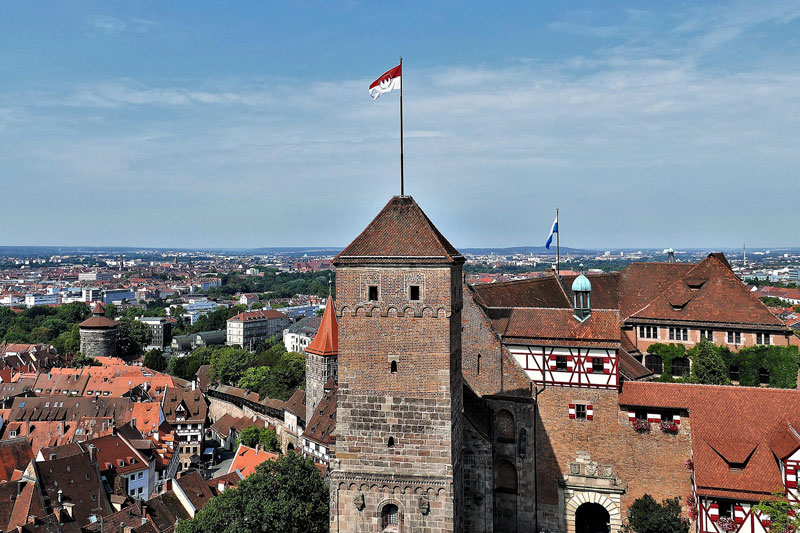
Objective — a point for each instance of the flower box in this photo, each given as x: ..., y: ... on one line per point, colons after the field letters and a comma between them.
x: 669, y: 427
x: 642, y: 426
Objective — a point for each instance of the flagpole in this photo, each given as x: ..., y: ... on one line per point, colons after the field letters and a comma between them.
x: 402, y: 177
x: 558, y: 245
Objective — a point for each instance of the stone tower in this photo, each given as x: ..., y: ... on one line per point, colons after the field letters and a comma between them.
x: 321, y: 356
x: 399, y: 406
x: 98, y: 334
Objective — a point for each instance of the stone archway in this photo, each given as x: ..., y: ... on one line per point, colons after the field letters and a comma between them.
x: 591, y: 514
x: 592, y: 518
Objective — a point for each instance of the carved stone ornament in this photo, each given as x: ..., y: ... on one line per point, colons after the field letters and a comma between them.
x: 575, y: 469
x: 608, y: 471
x: 424, y: 505
x: 591, y: 469
x: 358, y: 501
x: 522, y: 445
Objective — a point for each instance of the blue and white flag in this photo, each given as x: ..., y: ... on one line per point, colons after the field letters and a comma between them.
x: 553, y: 231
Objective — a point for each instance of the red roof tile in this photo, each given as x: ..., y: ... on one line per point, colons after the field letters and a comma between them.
x: 326, y: 341
x: 400, y: 230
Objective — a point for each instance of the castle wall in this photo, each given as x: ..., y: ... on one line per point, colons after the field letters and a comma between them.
x: 604, y: 452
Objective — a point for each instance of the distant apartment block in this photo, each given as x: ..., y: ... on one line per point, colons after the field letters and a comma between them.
x: 246, y: 329
x: 300, y: 334
x: 94, y: 276
x: 32, y: 300
x: 117, y: 295
x: 160, y: 330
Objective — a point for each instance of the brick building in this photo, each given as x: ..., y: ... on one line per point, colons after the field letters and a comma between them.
x: 521, y: 405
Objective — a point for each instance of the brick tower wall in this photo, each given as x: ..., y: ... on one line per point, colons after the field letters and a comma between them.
x: 421, y: 472
x: 319, y: 369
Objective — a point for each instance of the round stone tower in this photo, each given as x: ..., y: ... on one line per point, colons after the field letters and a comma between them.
x: 98, y: 334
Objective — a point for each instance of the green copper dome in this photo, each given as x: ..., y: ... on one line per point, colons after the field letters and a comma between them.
x: 581, y: 284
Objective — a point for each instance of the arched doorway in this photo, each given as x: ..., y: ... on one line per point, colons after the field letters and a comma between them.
x: 592, y: 518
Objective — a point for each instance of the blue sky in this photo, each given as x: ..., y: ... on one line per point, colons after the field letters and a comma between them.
x: 246, y: 124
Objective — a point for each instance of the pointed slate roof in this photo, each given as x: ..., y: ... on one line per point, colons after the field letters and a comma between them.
x: 401, y: 231
x: 326, y: 341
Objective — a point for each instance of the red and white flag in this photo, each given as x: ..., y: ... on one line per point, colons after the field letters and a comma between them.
x: 389, y: 81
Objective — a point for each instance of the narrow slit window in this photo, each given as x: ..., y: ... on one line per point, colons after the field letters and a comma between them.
x: 393, y: 367
x: 413, y: 293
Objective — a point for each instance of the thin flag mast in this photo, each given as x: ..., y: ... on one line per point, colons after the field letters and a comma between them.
x: 402, y: 177
x: 558, y: 246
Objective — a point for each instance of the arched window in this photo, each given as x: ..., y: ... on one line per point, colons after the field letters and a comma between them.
x: 653, y: 363
x: 479, y: 363
x: 505, y: 476
x: 680, y: 367
x: 390, y: 517
x: 763, y: 376
x: 390, y: 443
x: 393, y: 367
x: 505, y: 426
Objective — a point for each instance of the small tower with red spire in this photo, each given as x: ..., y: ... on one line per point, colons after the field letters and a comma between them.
x: 321, y: 358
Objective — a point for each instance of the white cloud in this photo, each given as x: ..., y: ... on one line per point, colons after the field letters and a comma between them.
x: 644, y: 135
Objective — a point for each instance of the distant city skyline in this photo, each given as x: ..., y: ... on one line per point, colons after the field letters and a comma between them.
x: 248, y: 126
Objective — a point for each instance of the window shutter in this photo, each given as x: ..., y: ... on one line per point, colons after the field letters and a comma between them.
x: 589, y: 412
x: 713, y: 512
x: 572, y: 410
x: 738, y: 514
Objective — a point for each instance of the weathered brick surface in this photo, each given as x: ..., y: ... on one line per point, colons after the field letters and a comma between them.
x: 319, y: 369
x: 644, y: 463
x: 419, y: 406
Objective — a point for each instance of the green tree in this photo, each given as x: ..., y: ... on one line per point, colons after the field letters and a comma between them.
x: 155, y: 360
x: 229, y: 364
x: 187, y: 367
x: 132, y: 337
x: 784, y: 516
x: 266, y: 437
x: 285, y: 496
x: 708, y: 365
x: 646, y: 515
x: 254, y: 378
x: 111, y: 311
x: 81, y: 360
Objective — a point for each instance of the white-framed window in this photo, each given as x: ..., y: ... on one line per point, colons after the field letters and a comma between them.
x: 648, y: 332
x: 734, y: 337
x: 762, y: 338
x: 678, y: 334
x: 707, y: 334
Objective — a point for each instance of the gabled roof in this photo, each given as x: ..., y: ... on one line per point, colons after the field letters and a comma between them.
x: 737, y: 432
x: 323, y: 422
x: 195, y: 488
x: 709, y: 292
x: 401, y: 231
x: 535, y: 292
x: 297, y: 404
x: 556, y: 326
x: 15, y: 454
x: 261, y: 314
x: 326, y: 341
x: 247, y: 459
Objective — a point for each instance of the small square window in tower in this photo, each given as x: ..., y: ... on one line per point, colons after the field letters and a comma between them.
x: 413, y: 293
x: 373, y: 293
x: 597, y: 365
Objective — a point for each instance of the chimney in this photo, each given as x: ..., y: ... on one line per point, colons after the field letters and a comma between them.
x: 68, y: 508
x: 60, y: 493
x: 92, y: 454
x: 194, y: 384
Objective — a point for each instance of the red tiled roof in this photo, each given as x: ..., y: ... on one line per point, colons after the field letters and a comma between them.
x: 709, y: 292
x: 323, y: 422
x: 257, y: 315
x: 731, y: 426
x: 536, y: 292
x: 15, y: 454
x: 326, y: 341
x: 400, y: 230
x: 247, y: 459
x: 297, y: 404
x: 558, y: 325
